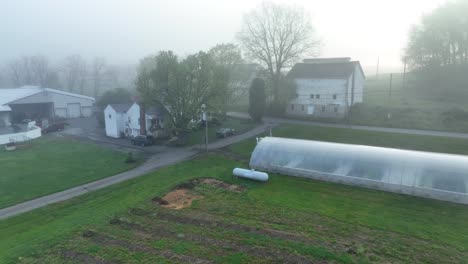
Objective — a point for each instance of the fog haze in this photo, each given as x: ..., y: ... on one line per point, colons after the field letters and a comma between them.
x: 126, y: 31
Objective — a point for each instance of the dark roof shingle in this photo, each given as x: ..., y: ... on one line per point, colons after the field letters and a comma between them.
x: 334, y: 70
x: 121, y: 108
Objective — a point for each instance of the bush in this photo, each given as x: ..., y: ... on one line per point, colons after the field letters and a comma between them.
x: 130, y: 158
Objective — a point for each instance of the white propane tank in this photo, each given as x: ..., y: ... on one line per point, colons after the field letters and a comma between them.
x: 250, y: 174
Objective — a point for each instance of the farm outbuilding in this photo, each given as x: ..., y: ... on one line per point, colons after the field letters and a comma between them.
x: 34, y: 102
x: 431, y: 175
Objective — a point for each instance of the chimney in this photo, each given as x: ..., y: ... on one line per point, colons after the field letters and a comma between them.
x: 142, y: 120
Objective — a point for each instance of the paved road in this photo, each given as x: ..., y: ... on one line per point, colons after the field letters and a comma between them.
x: 172, y: 156
x: 277, y: 120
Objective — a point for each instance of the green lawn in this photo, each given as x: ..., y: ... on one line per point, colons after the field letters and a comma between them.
x: 286, y: 217
x: 240, y: 125
x: 51, y: 165
x: 362, y: 137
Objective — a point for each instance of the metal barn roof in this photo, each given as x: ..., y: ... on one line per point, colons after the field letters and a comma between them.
x: 13, y: 94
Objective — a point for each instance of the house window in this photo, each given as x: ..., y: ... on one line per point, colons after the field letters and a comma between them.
x: 129, y: 119
x: 110, y: 116
x: 292, y: 107
x: 336, y: 109
x: 334, y: 97
x: 323, y: 108
x: 317, y: 96
x: 311, y: 96
x: 303, y: 108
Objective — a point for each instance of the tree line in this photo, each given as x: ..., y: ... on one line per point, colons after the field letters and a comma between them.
x: 440, y: 39
x: 73, y: 74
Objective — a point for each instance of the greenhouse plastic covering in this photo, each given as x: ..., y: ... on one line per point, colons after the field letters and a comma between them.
x: 431, y: 175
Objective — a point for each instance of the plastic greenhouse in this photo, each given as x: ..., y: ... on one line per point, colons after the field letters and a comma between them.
x: 425, y: 174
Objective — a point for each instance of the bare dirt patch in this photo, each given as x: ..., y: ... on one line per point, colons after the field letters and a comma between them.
x: 84, y: 258
x: 219, y: 184
x: 179, y: 199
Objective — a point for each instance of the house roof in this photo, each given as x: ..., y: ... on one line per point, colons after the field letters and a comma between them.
x: 10, y: 95
x: 327, y: 70
x: 121, y: 108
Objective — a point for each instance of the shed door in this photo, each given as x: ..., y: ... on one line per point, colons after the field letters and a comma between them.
x: 73, y: 110
x: 310, y: 110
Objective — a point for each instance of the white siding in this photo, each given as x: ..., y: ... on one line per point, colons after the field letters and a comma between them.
x: 132, y: 120
x: 5, y: 119
x: 326, y: 97
x: 61, y: 103
x: 111, y: 119
x: 73, y: 110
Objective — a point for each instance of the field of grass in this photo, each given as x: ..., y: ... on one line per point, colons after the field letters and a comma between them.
x: 51, y: 165
x: 362, y: 137
x: 287, y: 218
x: 411, y: 106
x: 240, y: 125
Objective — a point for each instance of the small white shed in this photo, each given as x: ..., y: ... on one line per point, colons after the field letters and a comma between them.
x: 114, y: 115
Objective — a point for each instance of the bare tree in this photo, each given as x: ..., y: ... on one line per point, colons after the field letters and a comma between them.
x: 39, y: 66
x: 98, y: 70
x: 74, y: 69
x: 29, y: 70
x: 277, y: 36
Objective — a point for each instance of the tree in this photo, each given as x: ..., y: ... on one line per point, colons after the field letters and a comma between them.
x: 98, y: 70
x: 440, y: 39
x: 277, y: 36
x: 115, y: 96
x: 180, y: 87
x: 257, y: 99
x: 226, y: 54
x: 75, y: 72
x: 30, y: 70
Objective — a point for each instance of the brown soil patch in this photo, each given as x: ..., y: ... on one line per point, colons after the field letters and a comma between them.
x: 105, y: 240
x: 179, y: 199
x: 84, y: 258
x: 160, y: 231
x: 220, y: 184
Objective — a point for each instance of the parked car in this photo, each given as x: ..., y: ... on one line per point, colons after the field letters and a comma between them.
x: 143, y: 140
x: 54, y: 127
x: 225, y: 132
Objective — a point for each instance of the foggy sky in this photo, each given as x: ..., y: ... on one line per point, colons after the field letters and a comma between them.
x: 125, y: 31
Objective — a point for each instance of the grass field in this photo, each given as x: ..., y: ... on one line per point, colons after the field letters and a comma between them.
x: 51, y: 165
x: 362, y: 137
x: 287, y: 218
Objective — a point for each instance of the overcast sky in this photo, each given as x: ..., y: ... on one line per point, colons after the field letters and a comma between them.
x: 125, y: 31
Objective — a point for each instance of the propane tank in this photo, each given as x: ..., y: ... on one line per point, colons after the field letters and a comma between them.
x: 250, y: 174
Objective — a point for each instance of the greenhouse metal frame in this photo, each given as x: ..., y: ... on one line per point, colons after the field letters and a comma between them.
x: 425, y: 174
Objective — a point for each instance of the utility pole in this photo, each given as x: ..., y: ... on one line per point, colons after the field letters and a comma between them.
x: 390, y: 88
x: 378, y: 65
x: 205, y: 118
x: 404, y: 72
x: 389, y: 115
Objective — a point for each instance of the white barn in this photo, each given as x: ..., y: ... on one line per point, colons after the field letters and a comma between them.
x: 326, y: 88
x: 34, y: 102
x: 123, y: 120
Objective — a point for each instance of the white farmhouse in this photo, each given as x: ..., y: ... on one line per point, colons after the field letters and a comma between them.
x: 326, y: 88
x: 34, y: 102
x: 123, y: 120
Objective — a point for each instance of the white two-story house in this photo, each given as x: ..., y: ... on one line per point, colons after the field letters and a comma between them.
x: 326, y: 88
